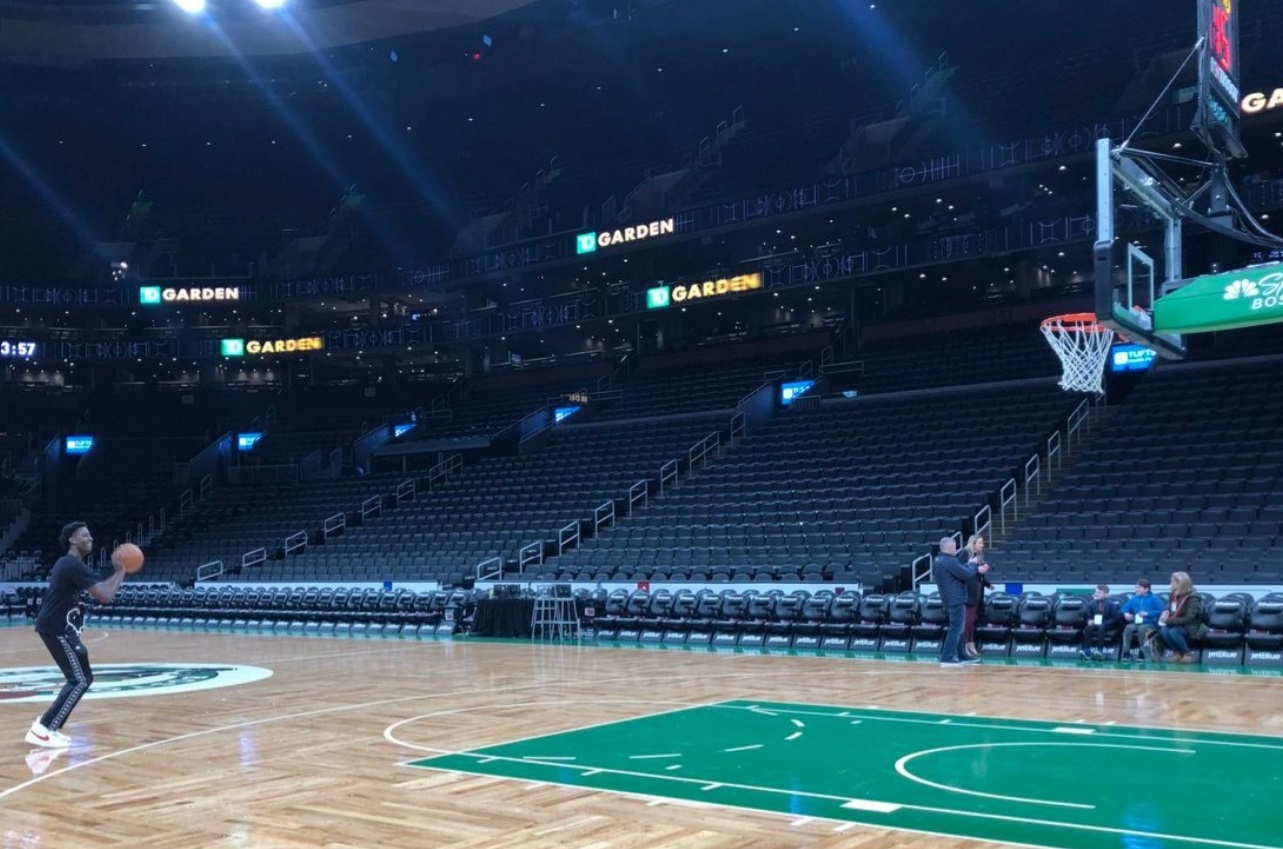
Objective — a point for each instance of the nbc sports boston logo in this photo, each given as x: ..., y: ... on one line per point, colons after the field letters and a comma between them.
x: 1264, y: 292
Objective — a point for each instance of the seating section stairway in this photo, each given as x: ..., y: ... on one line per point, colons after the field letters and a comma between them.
x: 1188, y: 476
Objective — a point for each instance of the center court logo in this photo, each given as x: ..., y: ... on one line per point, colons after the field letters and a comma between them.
x: 126, y: 680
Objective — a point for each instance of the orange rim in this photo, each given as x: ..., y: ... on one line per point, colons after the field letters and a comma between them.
x: 1084, y: 321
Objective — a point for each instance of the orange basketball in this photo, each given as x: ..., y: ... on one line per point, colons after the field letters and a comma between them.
x: 129, y: 556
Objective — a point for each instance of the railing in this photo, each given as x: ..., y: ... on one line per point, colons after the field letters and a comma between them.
x: 370, y: 506
x: 253, y: 558
x: 213, y: 569
x: 699, y: 451
x: 146, y: 532
x: 638, y: 492
x: 494, y: 564
x: 667, y: 475
x: 206, y: 486
x: 532, y: 553
x: 567, y: 536
x: 739, y: 426
x: 1077, y: 419
x: 185, y: 502
x: 1008, y: 496
x: 1053, y: 453
x: 406, y: 490
x: 603, y: 515
x: 333, y: 525
x: 982, y: 522
x: 1033, y: 476
x: 444, y: 469
x: 297, y: 542
x: 921, y: 570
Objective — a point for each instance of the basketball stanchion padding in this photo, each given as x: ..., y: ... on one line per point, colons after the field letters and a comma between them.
x: 1082, y: 343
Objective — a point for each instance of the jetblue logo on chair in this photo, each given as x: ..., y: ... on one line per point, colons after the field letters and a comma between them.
x: 126, y: 680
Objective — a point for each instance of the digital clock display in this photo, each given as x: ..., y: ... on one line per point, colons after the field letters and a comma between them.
x: 20, y: 350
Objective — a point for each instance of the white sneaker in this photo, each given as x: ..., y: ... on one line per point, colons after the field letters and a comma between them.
x: 38, y: 735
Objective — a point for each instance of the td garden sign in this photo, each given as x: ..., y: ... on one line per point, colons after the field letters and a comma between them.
x: 154, y: 295
x: 586, y: 243
x: 264, y: 347
x: 664, y: 296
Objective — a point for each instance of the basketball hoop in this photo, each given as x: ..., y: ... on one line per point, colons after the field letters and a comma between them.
x: 1082, y: 343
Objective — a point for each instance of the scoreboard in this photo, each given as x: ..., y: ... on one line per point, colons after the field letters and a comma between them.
x: 11, y: 349
x: 1217, y: 122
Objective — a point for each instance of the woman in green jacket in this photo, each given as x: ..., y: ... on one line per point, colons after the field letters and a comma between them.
x: 1182, y: 621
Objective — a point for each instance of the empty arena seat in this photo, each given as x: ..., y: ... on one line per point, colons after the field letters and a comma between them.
x: 928, y: 632
x: 708, y: 611
x: 866, y: 630
x: 1029, y: 631
x: 993, y: 631
x: 902, y: 614
x: 1226, y: 626
x: 1264, y: 633
x: 1065, y: 636
x: 835, y: 631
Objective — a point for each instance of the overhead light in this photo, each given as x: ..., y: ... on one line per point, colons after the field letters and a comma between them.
x: 193, y: 7
x: 270, y: 4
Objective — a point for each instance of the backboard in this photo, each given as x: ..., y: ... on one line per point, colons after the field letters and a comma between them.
x: 1130, y: 278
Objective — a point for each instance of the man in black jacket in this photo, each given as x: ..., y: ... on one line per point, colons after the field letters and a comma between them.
x: 951, y: 579
x: 1102, y: 620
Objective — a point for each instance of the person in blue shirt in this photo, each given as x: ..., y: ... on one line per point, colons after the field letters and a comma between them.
x: 951, y: 579
x: 1141, y: 613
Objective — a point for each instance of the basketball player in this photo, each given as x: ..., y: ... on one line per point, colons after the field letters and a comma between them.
x: 59, y: 623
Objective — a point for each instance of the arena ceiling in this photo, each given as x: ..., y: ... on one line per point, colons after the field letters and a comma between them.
x: 77, y: 33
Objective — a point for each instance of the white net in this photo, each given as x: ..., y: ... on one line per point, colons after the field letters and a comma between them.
x: 1083, y: 346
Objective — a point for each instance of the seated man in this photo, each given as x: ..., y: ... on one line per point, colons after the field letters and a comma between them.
x: 1102, y: 617
x: 1141, y: 613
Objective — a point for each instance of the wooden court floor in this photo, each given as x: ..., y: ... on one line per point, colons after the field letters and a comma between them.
x: 318, y: 754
